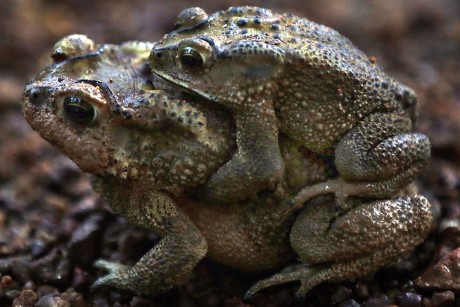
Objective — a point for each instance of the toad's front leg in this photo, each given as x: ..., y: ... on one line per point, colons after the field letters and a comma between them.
x: 256, y: 164
x: 171, y: 261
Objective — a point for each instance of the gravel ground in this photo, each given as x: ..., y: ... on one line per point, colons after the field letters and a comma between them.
x: 52, y: 226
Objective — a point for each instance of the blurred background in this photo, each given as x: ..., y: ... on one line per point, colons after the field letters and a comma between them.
x: 417, y: 42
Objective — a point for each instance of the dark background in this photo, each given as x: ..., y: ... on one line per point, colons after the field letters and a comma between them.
x: 48, y: 212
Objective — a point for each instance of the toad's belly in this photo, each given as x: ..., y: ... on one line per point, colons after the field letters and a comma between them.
x: 234, y: 239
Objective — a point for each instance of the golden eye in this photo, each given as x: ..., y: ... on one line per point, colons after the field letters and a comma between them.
x: 78, y: 111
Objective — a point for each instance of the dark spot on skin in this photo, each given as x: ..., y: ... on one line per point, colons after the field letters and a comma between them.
x: 116, y: 109
x: 277, y: 36
x: 244, y: 31
x: 275, y: 26
x: 222, y: 54
x: 241, y: 22
x: 126, y: 115
x: 60, y: 79
x: 257, y: 21
x: 385, y: 85
x: 293, y: 28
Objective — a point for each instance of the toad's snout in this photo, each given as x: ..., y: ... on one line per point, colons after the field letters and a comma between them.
x: 35, y: 96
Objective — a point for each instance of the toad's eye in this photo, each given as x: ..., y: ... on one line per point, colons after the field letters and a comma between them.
x: 191, y: 59
x: 196, y: 55
x: 78, y: 111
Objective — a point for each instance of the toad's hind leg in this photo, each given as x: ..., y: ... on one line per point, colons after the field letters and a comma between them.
x: 375, y: 159
x: 352, y: 240
x: 171, y: 261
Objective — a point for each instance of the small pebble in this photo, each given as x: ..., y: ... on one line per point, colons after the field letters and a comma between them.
x: 52, y: 301
x: 361, y: 290
x: 378, y: 302
x: 409, y: 299
x: 25, y: 298
x: 350, y: 303
x: 341, y: 294
x: 6, y: 280
x: 46, y: 290
x: 443, y: 299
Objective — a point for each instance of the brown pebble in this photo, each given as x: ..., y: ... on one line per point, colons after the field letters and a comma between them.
x: 6, y: 280
x: 443, y: 275
x: 341, y: 294
x: 26, y: 298
x: 74, y: 298
x: 361, y: 290
x: 443, y: 299
x: 46, y: 290
x: 52, y: 301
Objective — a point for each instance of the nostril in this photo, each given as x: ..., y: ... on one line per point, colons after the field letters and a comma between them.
x: 159, y: 54
x: 34, y: 93
x: 35, y: 96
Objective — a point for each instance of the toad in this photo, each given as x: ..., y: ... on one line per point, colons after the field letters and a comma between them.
x: 279, y: 72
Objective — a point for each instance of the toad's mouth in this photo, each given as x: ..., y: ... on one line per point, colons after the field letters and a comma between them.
x: 179, y: 90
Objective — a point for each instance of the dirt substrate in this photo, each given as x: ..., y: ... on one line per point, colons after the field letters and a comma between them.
x: 53, y: 227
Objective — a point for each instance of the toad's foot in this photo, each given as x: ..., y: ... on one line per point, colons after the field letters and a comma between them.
x: 339, y: 187
x: 311, y: 276
x: 278, y: 279
x: 171, y: 260
x: 342, y: 188
x: 118, y: 274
